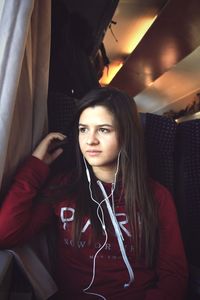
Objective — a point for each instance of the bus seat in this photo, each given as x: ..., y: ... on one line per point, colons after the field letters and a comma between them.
x: 6, y: 265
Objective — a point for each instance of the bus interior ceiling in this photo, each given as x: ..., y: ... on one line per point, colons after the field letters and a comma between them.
x: 150, y: 49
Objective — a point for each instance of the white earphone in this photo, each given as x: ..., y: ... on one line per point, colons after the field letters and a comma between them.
x: 115, y: 225
x: 88, y: 175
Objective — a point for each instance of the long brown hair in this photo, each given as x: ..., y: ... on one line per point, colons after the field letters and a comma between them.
x: 139, y: 201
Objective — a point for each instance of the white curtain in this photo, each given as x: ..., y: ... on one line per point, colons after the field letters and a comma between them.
x: 25, y: 27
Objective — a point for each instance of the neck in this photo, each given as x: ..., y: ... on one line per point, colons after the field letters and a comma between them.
x: 104, y: 174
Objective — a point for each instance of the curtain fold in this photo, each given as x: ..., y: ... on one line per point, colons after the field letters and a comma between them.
x: 25, y: 28
x: 25, y: 37
x: 14, y: 24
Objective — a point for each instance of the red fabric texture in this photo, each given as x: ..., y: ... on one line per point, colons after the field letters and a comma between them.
x: 22, y: 216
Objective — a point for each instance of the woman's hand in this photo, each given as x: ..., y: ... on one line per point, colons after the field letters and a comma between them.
x: 44, y: 150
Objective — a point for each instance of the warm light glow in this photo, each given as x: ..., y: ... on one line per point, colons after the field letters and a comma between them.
x: 188, y: 117
x: 148, y: 76
x: 135, y: 35
x: 108, y: 74
x: 169, y: 54
x: 127, y: 43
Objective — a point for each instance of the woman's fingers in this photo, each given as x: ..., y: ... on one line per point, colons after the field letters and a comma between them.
x: 45, y: 152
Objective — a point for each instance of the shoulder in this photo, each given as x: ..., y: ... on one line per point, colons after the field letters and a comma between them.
x: 159, y: 190
x: 163, y: 198
x: 38, y: 168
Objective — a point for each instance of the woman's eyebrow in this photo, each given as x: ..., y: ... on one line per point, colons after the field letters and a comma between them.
x: 98, y: 125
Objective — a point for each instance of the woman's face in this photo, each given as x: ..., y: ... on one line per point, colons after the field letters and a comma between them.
x: 98, y: 138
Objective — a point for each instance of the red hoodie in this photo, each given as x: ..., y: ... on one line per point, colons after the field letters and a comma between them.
x: 22, y: 216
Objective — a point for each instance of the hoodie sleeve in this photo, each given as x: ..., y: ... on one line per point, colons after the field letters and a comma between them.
x: 21, y: 216
x: 171, y: 264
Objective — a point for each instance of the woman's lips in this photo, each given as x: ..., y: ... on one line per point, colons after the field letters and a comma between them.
x: 93, y: 152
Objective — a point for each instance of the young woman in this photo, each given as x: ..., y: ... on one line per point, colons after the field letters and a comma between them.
x: 117, y: 230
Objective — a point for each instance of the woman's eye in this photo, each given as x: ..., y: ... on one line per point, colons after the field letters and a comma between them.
x: 104, y: 130
x: 82, y: 129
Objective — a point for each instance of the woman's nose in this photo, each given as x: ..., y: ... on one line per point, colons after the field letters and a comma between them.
x: 92, y: 139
